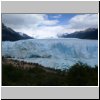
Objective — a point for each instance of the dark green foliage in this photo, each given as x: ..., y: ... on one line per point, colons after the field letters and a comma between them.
x: 82, y: 75
x: 77, y: 75
x: 12, y: 76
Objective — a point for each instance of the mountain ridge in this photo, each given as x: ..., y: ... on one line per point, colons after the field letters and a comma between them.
x: 8, y: 34
x: 90, y: 33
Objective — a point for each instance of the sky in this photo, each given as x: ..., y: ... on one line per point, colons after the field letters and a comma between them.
x: 49, y: 25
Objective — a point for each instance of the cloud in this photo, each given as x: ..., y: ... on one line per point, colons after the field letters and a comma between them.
x: 31, y: 24
x: 83, y: 21
x: 39, y: 25
x: 48, y: 31
x: 17, y: 21
x: 50, y: 22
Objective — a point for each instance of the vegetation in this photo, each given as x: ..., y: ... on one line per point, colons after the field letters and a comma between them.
x: 77, y: 75
x: 82, y: 75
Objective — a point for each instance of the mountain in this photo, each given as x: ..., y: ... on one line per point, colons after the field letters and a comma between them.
x: 90, y: 33
x: 9, y: 34
x: 55, y: 53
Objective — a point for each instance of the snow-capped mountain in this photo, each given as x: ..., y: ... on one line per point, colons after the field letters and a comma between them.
x: 90, y: 33
x: 58, y: 53
x: 9, y: 34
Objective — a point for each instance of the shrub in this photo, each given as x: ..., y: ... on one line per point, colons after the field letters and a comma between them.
x: 77, y: 75
x: 82, y: 75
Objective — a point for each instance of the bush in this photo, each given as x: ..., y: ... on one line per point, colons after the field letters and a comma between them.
x: 82, y: 75
x: 77, y: 75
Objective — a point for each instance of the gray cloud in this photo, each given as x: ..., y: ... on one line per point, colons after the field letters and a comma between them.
x: 18, y: 21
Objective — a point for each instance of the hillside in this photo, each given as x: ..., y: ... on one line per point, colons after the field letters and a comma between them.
x: 37, y: 75
x: 9, y: 34
x: 90, y: 33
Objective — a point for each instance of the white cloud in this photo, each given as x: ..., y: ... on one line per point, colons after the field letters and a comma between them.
x: 30, y: 23
x: 50, y: 22
x: 84, y: 21
x: 48, y: 31
x: 81, y: 22
x: 38, y: 25
x: 44, y: 31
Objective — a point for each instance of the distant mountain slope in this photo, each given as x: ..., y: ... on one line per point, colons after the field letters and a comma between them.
x: 9, y: 34
x: 91, y: 33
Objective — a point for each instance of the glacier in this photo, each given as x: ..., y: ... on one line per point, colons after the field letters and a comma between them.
x: 54, y: 53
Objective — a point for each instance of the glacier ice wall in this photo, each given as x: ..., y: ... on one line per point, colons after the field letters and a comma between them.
x: 58, y: 53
